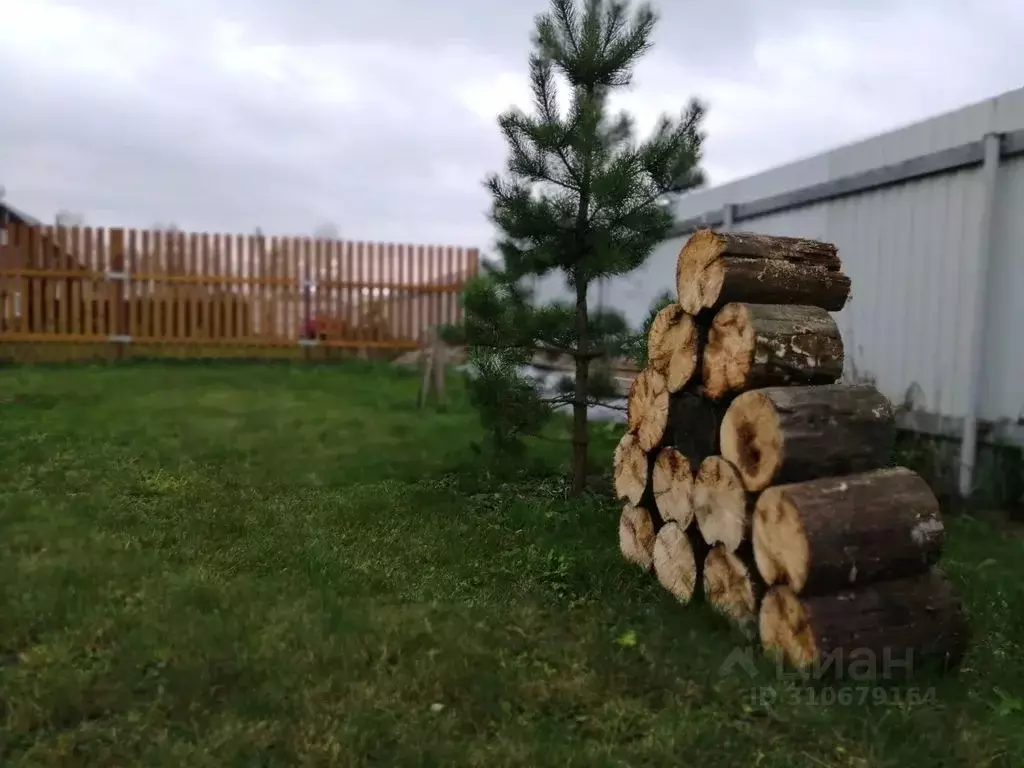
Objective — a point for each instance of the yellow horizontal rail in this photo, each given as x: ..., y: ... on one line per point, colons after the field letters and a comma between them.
x: 251, y: 341
x: 68, y: 274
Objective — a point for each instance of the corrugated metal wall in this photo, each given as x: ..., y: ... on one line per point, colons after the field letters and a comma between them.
x: 912, y: 252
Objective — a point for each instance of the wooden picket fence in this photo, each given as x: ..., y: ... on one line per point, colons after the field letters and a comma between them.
x: 122, y: 290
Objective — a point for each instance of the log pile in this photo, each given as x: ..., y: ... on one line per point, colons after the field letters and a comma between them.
x: 753, y: 478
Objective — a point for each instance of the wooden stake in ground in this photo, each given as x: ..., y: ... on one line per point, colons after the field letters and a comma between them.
x: 647, y: 408
x: 764, y: 345
x: 831, y: 534
x: 917, y: 620
x: 434, y: 365
x: 630, y: 469
x: 791, y: 434
x: 715, y: 268
x: 673, y: 346
x: 733, y: 587
x: 677, y: 561
x: 672, y: 481
x: 721, y: 504
x: 637, y: 528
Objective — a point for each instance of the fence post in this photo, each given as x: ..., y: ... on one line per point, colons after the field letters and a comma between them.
x: 117, y: 273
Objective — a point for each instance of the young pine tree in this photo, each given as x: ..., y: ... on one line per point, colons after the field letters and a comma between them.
x: 580, y: 196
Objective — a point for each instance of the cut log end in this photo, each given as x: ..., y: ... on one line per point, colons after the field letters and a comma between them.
x: 752, y: 345
x: 672, y: 346
x: 720, y: 504
x: 630, y: 469
x: 751, y: 439
x: 636, y: 536
x: 672, y: 481
x: 780, y: 545
x: 675, y: 563
x: 697, y: 254
x: 732, y: 588
x: 647, y: 408
x: 785, y: 630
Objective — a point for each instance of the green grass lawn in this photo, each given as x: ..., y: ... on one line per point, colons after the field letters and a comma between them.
x: 232, y: 565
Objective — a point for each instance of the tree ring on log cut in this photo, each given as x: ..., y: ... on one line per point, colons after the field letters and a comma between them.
x: 630, y: 469
x: 720, y: 504
x: 781, y: 550
x: 672, y: 481
x: 636, y: 536
x: 759, y: 345
x: 751, y: 439
x: 729, y: 586
x: 697, y: 254
x: 785, y: 628
x: 647, y: 408
x: 674, y: 562
x: 672, y: 346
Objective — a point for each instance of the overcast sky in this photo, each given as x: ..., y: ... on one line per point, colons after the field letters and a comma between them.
x: 225, y: 115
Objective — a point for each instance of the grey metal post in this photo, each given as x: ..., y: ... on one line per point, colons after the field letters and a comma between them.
x: 728, y: 216
x: 976, y: 350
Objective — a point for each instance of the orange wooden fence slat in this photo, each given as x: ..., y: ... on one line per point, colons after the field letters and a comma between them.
x: 87, y: 285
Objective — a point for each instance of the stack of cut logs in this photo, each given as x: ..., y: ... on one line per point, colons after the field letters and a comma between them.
x: 750, y: 475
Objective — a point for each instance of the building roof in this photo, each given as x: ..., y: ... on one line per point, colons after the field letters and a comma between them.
x: 9, y: 213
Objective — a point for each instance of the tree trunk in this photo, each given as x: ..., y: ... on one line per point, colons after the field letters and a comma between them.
x: 766, y: 345
x: 869, y: 631
x: 693, y: 425
x: 791, y: 434
x: 672, y: 481
x: 721, y: 505
x: 715, y: 268
x: 673, y: 346
x: 630, y: 469
x: 580, y: 428
x: 637, y: 529
x: 678, y: 557
x: 831, y: 534
x: 733, y: 586
x: 647, y: 408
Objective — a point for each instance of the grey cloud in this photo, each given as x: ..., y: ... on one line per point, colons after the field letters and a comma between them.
x: 405, y: 161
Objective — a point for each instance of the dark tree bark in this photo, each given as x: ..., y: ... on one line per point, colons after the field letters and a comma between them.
x: 692, y: 424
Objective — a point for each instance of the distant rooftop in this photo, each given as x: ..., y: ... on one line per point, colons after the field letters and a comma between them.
x: 8, y: 213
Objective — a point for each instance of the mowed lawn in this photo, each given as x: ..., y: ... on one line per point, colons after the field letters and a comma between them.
x: 240, y: 565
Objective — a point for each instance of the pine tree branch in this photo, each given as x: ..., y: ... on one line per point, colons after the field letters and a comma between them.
x: 570, y: 399
x: 543, y: 82
x: 519, y: 129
